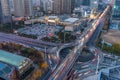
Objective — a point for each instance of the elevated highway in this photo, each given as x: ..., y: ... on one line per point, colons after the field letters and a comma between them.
x: 63, y: 69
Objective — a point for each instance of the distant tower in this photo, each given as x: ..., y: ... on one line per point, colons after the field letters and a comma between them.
x: 22, y: 8
x: 19, y: 8
x: 94, y: 4
x: 62, y: 6
x: 57, y: 8
x: 116, y: 10
x: 48, y: 6
x: 28, y: 7
x: 86, y: 2
x: 4, y: 11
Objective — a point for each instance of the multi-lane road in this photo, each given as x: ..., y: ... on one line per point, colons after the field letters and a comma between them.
x: 26, y: 41
x: 63, y: 69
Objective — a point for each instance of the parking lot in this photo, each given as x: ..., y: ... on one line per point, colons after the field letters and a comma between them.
x: 39, y: 30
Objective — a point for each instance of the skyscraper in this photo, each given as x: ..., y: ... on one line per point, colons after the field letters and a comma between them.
x: 78, y: 3
x: 48, y: 6
x: 94, y: 4
x: 19, y: 8
x: 72, y: 5
x: 57, y: 6
x: 67, y: 6
x: 4, y: 11
x: 28, y: 7
x: 0, y: 12
x: 11, y: 6
x: 62, y: 6
x: 86, y: 2
x: 116, y: 10
x: 22, y: 8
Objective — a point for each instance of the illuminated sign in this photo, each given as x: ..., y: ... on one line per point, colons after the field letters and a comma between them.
x: 52, y: 21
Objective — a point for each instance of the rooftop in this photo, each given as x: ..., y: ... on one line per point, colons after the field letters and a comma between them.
x: 112, y: 73
x: 94, y: 77
x: 4, y: 70
x: 13, y: 59
x: 71, y: 20
x: 52, y: 17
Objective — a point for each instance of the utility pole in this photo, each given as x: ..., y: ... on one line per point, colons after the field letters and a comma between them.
x: 45, y: 53
x: 102, y: 44
x: 11, y: 22
x: 97, y: 65
x: 64, y: 37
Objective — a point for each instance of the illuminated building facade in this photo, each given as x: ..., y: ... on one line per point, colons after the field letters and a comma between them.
x: 116, y: 10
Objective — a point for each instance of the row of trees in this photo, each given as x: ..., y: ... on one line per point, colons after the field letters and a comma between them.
x: 28, y: 36
x: 10, y: 27
x: 65, y: 36
x: 39, y: 72
x: 51, y: 39
x: 62, y: 37
x: 115, y: 48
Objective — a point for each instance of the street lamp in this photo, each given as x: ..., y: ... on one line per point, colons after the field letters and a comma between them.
x: 11, y: 21
x: 102, y: 44
x: 45, y: 53
x: 97, y: 65
x: 64, y: 37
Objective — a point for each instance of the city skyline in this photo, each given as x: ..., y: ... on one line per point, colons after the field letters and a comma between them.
x: 59, y: 40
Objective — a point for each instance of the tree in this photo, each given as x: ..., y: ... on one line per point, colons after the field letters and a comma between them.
x: 0, y: 45
x: 15, y: 75
x: 116, y: 48
x: 1, y: 25
x: 44, y: 65
x: 37, y: 74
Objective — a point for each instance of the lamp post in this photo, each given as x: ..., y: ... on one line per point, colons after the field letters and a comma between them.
x: 97, y: 65
x: 64, y: 37
x: 45, y: 53
x: 11, y: 21
x: 102, y: 44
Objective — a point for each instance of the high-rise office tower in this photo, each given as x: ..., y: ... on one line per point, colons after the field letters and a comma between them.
x: 36, y: 2
x: 67, y: 6
x: 57, y: 6
x: 116, y: 10
x: 91, y: 3
x: 0, y: 12
x: 62, y: 6
x: 4, y: 11
x: 72, y: 5
x: 11, y: 6
x: 28, y: 7
x: 48, y: 6
x: 94, y: 4
x: 19, y: 8
x: 86, y: 2
x: 78, y: 3
x: 22, y: 8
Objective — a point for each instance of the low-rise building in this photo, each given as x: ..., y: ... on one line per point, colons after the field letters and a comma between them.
x: 22, y: 64
x: 72, y: 24
x: 112, y: 73
x: 52, y: 20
